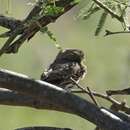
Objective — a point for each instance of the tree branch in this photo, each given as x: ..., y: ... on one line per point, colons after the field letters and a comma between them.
x: 29, y: 30
x: 113, y: 33
x: 9, y: 23
x: 113, y: 14
x: 125, y: 91
x: 43, y: 128
x: 13, y: 98
x: 58, y: 99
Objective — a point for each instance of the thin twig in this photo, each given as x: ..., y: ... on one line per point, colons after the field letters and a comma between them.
x: 112, y: 33
x: 92, y: 96
x: 89, y: 92
x: 122, y: 3
x: 125, y: 91
x: 125, y: 108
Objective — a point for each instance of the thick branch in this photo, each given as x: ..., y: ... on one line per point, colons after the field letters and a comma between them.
x: 13, y: 98
x: 9, y: 23
x: 58, y: 99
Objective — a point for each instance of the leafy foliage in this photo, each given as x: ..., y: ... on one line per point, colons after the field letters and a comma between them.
x: 53, y: 10
x: 117, y: 7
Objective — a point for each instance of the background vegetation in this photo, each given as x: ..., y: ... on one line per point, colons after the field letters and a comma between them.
x: 107, y: 58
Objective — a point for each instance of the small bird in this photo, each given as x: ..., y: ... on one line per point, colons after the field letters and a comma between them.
x: 66, y: 66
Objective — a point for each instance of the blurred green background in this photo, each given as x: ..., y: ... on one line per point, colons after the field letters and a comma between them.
x: 107, y: 59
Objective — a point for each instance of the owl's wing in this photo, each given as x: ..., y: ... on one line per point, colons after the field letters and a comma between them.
x: 58, y: 74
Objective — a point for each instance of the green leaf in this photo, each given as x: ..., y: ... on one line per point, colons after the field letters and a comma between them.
x: 101, y: 23
x: 45, y: 30
x: 53, y: 10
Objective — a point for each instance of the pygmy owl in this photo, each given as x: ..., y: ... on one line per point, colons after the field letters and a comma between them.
x: 67, y: 65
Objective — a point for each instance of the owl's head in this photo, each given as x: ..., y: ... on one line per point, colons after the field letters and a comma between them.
x: 70, y: 55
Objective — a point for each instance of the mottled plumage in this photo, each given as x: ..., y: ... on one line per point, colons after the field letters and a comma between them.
x: 67, y: 65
